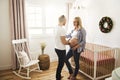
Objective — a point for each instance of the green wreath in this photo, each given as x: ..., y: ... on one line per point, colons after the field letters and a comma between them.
x: 108, y: 21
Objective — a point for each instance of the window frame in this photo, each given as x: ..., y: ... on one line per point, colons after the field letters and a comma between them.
x: 44, y: 28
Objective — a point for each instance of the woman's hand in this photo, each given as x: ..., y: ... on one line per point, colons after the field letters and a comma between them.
x: 75, y: 47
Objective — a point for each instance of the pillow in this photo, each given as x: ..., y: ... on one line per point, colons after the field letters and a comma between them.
x: 25, y: 59
x: 116, y: 74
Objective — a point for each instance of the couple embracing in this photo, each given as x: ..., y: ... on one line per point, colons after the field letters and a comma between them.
x: 76, y: 41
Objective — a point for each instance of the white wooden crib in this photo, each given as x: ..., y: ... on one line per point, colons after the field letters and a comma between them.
x: 97, y: 61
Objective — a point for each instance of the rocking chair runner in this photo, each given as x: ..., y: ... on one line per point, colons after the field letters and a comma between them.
x: 24, y: 60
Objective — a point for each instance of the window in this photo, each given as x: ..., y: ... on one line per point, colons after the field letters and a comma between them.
x: 43, y: 19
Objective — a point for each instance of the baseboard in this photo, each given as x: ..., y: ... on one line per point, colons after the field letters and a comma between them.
x: 5, y: 67
x: 53, y: 59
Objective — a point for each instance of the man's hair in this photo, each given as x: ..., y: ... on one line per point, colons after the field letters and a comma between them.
x: 61, y: 18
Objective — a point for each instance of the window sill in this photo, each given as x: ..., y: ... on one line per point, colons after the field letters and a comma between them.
x: 41, y: 35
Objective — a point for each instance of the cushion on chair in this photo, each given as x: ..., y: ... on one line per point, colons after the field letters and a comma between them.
x: 32, y: 62
x: 25, y: 59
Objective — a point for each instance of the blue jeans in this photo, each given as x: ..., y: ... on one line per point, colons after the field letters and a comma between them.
x: 61, y: 59
x: 76, y: 56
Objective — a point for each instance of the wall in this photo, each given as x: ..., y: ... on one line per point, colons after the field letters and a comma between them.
x: 91, y: 15
x: 5, y: 43
x: 36, y: 49
x: 91, y: 11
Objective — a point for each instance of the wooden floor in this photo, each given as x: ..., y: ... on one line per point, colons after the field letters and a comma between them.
x: 45, y: 75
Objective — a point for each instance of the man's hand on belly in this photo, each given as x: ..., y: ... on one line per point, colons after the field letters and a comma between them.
x: 73, y: 42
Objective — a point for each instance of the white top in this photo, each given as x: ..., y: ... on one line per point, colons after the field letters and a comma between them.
x: 60, y: 31
x: 74, y: 34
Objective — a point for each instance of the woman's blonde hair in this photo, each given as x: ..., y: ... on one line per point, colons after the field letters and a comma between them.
x: 78, y: 21
x: 61, y: 18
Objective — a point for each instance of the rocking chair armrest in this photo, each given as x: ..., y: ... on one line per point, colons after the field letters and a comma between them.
x: 33, y: 55
x: 20, y: 56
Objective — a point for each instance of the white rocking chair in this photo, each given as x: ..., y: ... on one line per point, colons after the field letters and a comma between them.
x: 24, y: 60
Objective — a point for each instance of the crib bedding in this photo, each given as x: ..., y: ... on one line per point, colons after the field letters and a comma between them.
x: 105, y: 60
x: 101, y: 56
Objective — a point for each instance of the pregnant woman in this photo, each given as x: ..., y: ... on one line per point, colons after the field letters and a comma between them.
x: 77, y: 44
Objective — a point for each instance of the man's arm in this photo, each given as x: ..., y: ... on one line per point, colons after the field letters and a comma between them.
x: 64, y: 41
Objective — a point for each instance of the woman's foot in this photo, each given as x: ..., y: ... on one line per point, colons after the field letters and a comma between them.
x: 70, y: 76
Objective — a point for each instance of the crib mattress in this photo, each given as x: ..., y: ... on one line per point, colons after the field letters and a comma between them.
x: 101, y: 56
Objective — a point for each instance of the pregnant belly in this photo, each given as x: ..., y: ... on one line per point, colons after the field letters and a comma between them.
x: 73, y: 42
